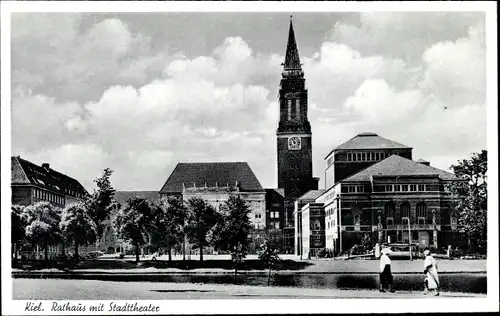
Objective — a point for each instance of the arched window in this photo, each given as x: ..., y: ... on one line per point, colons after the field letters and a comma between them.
x: 421, y: 213
x: 389, y: 213
x: 405, y: 213
x: 405, y: 209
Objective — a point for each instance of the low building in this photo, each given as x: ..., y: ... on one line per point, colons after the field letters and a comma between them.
x: 309, y: 221
x: 275, y: 219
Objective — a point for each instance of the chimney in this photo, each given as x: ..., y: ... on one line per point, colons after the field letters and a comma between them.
x: 424, y: 162
x: 46, y: 166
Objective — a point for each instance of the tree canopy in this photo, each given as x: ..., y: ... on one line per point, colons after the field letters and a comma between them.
x: 100, y: 202
x: 18, y: 227
x: 470, y: 198
x: 133, y: 223
x: 43, y: 220
x: 168, y: 224
x: 201, y: 218
x: 233, y: 228
x: 77, y: 226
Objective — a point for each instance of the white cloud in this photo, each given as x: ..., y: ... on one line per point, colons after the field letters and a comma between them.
x: 141, y: 111
x: 456, y: 71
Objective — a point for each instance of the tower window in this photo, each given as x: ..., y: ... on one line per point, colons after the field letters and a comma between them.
x: 297, y: 109
x: 289, y: 110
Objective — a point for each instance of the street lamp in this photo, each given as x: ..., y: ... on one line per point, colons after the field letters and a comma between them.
x: 409, y: 235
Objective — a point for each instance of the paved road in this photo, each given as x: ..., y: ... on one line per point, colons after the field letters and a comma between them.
x: 55, y: 289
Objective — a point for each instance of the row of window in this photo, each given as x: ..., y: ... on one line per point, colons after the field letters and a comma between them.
x: 387, y: 188
x: 329, y: 212
x: 330, y: 224
x: 258, y: 215
x: 372, y: 156
x: 405, y: 187
x: 295, y: 114
x: 405, y: 209
x: 274, y: 214
x: 47, y: 196
x: 353, y: 189
x: 258, y: 226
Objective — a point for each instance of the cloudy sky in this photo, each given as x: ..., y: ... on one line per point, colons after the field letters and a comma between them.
x: 141, y: 92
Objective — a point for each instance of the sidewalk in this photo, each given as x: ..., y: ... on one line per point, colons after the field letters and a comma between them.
x: 50, y: 289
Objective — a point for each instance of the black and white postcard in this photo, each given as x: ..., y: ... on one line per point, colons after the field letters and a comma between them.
x: 249, y: 157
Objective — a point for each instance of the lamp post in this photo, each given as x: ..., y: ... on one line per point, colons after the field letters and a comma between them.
x: 409, y: 235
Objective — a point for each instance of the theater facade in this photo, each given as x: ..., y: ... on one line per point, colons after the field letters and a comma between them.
x: 375, y: 189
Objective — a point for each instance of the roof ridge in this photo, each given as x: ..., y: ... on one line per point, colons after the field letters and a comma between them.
x: 170, y: 176
x: 397, y: 157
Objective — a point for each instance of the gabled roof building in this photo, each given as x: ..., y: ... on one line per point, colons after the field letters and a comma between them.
x: 31, y: 183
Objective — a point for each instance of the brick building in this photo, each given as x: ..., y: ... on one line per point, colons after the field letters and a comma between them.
x: 31, y: 183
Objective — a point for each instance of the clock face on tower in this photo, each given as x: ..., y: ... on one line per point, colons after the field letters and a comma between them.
x: 294, y: 143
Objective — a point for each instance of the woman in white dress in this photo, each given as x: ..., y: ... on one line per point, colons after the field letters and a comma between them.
x: 431, y: 273
x: 385, y: 271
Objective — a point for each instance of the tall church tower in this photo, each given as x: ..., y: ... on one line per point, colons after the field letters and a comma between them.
x: 294, y: 135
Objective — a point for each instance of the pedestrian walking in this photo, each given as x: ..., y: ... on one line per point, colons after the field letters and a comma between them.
x: 431, y: 274
x: 385, y: 270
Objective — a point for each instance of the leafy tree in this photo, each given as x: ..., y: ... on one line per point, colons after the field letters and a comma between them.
x: 133, y: 223
x: 100, y: 202
x: 201, y: 218
x: 18, y: 228
x: 269, y: 255
x: 470, y: 198
x: 168, y: 224
x: 43, y: 220
x: 231, y: 233
x: 77, y: 226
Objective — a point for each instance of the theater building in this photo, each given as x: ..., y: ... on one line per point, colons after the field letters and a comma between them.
x: 374, y: 188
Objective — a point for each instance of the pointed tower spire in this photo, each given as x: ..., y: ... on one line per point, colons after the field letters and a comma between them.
x: 292, y: 60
